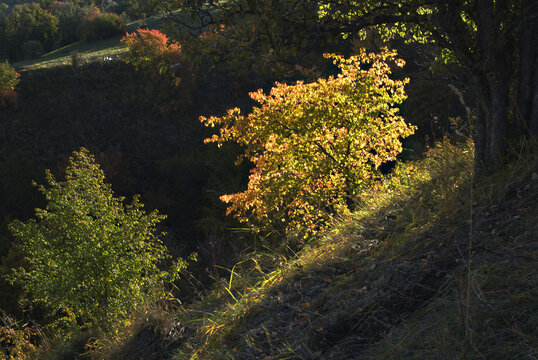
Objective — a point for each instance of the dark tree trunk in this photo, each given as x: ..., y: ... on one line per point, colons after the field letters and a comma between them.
x: 492, y: 76
x: 492, y: 115
x: 481, y: 131
x: 527, y: 51
x: 499, y: 113
x: 490, y: 131
x: 533, y: 121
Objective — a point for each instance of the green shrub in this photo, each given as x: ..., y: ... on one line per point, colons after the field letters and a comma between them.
x: 99, y: 26
x: 88, y: 253
x: 140, y: 9
x: 69, y: 15
x: 32, y: 50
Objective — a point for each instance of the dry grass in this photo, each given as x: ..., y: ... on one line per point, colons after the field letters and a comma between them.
x: 490, y: 310
x: 392, y: 282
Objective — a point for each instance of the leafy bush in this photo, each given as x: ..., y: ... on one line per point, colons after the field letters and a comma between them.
x: 150, y: 49
x: 32, y: 50
x: 99, y: 26
x: 316, y: 146
x: 88, y: 253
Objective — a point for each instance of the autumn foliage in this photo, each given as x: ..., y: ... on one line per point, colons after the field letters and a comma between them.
x: 315, y: 146
x: 9, y: 79
x: 16, y: 343
x: 149, y: 49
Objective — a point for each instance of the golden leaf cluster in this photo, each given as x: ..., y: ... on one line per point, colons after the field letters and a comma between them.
x: 316, y: 146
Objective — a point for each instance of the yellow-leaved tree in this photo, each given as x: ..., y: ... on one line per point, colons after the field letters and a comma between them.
x: 315, y: 146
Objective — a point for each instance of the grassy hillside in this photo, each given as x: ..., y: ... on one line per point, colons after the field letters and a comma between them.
x: 437, y: 264
x: 107, y: 49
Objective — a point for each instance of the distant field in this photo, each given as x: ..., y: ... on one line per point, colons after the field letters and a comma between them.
x: 107, y: 49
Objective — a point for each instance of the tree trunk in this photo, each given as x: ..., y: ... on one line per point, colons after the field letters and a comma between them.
x: 526, y: 64
x: 495, y: 54
x: 533, y: 121
x: 481, y: 131
x: 492, y: 116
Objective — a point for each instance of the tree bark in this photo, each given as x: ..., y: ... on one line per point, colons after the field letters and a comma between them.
x: 495, y: 53
x: 491, y: 128
x: 525, y: 89
x: 481, y: 131
x: 533, y: 121
x: 499, y: 91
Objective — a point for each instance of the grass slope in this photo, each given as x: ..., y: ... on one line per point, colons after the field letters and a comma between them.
x: 412, y: 276
x: 107, y: 49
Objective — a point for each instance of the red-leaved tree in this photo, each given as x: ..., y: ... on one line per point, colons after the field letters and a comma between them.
x: 151, y: 49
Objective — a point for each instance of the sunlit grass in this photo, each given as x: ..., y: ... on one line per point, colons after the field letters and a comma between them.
x: 404, y: 229
x: 250, y: 290
x: 108, y: 49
